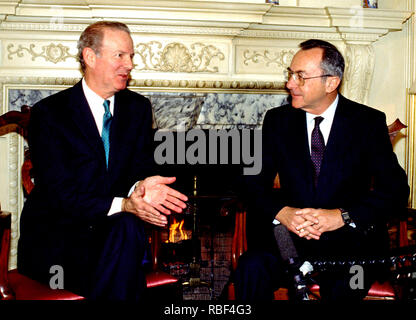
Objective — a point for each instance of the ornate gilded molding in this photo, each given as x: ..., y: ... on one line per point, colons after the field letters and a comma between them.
x: 305, y: 33
x: 410, y: 143
x: 360, y: 37
x: 281, y: 58
x: 359, y: 69
x: 54, y: 53
x: 151, y: 84
x: 134, y: 28
x: 176, y: 57
x: 15, y: 194
x: 208, y: 85
x: 41, y: 26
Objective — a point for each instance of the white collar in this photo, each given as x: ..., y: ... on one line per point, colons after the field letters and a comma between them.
x: 328, y: 114
x: 94, y: 99
x: 326, y: 124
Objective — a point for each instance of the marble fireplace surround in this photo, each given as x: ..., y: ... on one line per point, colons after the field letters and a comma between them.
x: 207, y: 64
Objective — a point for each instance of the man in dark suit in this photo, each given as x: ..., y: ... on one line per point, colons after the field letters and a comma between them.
x: 339, y: 180
x: 91, y: 148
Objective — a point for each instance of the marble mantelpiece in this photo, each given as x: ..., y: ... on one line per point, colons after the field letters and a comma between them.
x: 185, y: 110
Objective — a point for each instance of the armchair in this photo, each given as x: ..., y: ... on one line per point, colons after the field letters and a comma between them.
x: 14, y: 285
x: 378, y: 291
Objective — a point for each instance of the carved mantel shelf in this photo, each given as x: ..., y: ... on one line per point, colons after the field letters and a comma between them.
x: 253, y: 19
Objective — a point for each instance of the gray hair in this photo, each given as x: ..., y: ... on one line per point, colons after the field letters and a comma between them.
x: 332, y: 60
x: 92, y: 37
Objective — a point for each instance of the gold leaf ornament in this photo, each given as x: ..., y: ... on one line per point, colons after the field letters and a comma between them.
x: 281, y: 58
x: 177, y: 57
x: 52, y: 52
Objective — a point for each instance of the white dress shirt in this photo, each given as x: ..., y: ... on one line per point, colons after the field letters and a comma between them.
x: 96, y: 105
x: 325, y: 125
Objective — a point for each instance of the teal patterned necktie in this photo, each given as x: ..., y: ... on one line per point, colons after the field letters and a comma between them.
x: 105, y: 135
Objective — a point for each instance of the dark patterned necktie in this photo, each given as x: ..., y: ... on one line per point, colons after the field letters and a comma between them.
x: 317, y: 148
x: 105, y: 135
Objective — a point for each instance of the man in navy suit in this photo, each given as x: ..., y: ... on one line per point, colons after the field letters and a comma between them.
x: 339, y: 181
x: 91, y: 148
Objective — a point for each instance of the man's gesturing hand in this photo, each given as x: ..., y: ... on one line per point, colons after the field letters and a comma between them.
x: 152, y: 197
x: 136, y: 205
x: 160, y: 196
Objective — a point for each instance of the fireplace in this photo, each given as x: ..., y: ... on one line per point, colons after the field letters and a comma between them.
x: 196, y: 247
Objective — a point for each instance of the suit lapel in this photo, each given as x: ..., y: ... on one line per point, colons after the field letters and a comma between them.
x: 339, y: 142
x: 300, y: 147
x: 119, y: 134
x: 120, y: 128
x: 82, y: 116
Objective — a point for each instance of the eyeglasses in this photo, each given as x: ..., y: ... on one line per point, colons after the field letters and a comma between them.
x: 299, y: 79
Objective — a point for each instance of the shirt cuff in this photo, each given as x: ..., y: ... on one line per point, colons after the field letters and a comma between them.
x: 276, y: 222
x: 117, y: 201
x: 115, y: 206
x: 132, y: 188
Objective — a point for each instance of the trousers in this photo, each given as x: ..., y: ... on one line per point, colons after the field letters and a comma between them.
x: 119, y: 273
x: 260, y: 273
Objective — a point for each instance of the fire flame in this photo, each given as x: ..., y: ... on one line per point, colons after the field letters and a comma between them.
x: 175, y: 229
